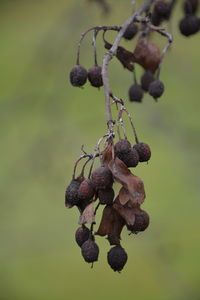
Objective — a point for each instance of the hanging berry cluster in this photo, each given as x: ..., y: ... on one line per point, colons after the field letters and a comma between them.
x: 114, y: 151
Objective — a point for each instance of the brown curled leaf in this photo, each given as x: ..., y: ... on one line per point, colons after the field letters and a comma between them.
x: 133, y: 184
x: 87, y: 215
x: 107, y: 155
x: 111, y: 225
x: 147, y: 54
x: 126, y: 57
x: 127, y: 213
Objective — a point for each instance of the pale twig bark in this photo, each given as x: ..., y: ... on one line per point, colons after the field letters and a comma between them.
x: 112, y: 52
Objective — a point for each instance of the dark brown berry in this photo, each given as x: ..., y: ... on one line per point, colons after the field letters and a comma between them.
x: 86, y: 190
x: 189, y: 25
x: 78, y: 75
x: 141, y: 222
x: 117, y: 258
x: 135, y: 93
x: 122, y: 145
x: 131, y: 31
x: 102, y: 178
x: 162, y: 9
x: 146, y: 79
x: 190, y: 6
x: 82, y: 235
x: 71, y: 193
x: 156, y: 89
x: 131, y: 159
x: 95, y: 77
x: 143, y: 151
x: 90, y: 251
x: 156, y: 19
x: 106, y: 196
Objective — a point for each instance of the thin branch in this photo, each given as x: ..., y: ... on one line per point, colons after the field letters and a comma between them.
x: 109, y: 55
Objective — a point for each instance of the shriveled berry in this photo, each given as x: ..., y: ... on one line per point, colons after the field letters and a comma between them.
x: 95, y: 77
x: 141, y: 222
x: 106, y: 196
x: 78, y: 75
x: 143, y: 151
x: 190, y: 6
x: 86, y: 189
x: 90, y: 251
x: 135, y: 93
x: 189, y: 25
x: 122, y: 145
x: 131, y: 159
x: 82, y: 235
x: 156, y: 89
x: 131, y: 31
x: 71, y: 193
x: 117, y: 258
x: 162, y: 8
x: 146, y: 79
x: 102, y: 178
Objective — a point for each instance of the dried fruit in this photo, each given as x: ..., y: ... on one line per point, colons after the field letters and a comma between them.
x: 146, y: 79
x: 143, y: 151
x: 86, y: 190
x: 117, y: 258
x: 131, y: 31
x: 131, y: 159
x: 102, y: 178
x: 106, y: 196
x: 95, y: 77
x: 82, y: 235
x: 162, y: 9
x: 71, y: 194
x: 90, y: 251
x: 141, y: 222
x: 122, y: 146
x: 156, y: 89
x: 189, y: 25
x: 135, y: 93
x: 78, y: 75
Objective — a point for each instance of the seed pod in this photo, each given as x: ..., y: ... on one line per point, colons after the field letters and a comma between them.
x: 90, y: 251
x: 190, y: 6
x: 146, y: 79
x: 106, y: 196
x: 78, y: 76
x: 71, y: 193
x: 82, y: 235
x: 189, y: 25
x: 95, y: 77
x: 131, y: 159
x: 143, y: 151
x: 86, y: 190
x: 102, y: 178
x: 135, y: 93
x: 117, y: 258
x: 141, y: 222
x: 156, y: 89
x: 131, y: 31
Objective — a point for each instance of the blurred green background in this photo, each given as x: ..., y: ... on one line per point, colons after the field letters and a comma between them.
x: 44, y: 122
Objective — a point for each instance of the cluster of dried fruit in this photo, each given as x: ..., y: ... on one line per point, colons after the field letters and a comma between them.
x: 121, y: 210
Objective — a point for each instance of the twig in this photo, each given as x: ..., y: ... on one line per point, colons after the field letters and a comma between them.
x: 109, y: 55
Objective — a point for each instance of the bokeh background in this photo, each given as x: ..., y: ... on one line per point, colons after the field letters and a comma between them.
x: 44, y: 121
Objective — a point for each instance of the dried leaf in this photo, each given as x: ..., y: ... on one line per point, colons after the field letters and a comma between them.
x: 133, y: 184
x: 147, y: 54
x: 124, y: 196
x: 107, y: 154
x: 88, y: 215
x: 111, y: 224
x: 126, y: 57
x: 127, y: 213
